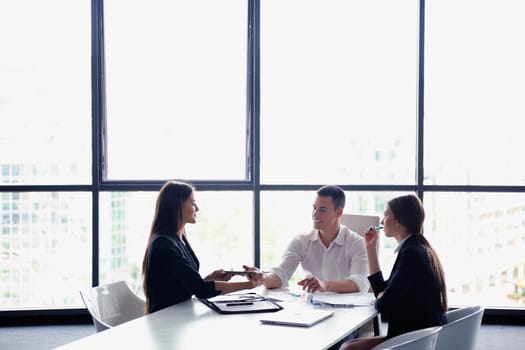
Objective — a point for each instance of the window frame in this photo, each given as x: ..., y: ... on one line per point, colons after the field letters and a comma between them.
x: 252, y: 183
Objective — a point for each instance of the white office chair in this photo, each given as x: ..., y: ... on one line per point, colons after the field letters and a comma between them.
x: 112, y: 304
x: 422, y: 339
x: 462, y: 329
x: 359, y: 223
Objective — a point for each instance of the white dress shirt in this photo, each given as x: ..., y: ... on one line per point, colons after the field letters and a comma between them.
x: 345, y: 258
x: 401, y: 244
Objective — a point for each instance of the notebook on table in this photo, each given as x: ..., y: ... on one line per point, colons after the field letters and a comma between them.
x: 304, y: 317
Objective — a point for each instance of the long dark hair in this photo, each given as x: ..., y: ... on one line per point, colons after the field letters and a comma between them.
x: 409, y: 211
x: 167, y: 219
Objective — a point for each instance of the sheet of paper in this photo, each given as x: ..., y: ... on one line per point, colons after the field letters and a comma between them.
x: 344, y: 299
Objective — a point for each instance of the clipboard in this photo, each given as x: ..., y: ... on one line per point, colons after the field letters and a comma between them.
x: 241, y: 303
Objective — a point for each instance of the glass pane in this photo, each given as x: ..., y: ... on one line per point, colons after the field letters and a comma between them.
x: 176, y: 89
x: 474, y: 91
x: 45, y: 252
x: 221, y: 238
x: 480, y: 239
x: 338, y: 91
x: 125, y: 220
x: 281, y: 221
x: 45, y: 92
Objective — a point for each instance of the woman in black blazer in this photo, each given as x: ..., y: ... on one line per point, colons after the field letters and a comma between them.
x: 414, y: 296
x: 170, y: 268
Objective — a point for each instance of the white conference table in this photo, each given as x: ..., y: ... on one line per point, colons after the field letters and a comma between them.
x: 193, y: 325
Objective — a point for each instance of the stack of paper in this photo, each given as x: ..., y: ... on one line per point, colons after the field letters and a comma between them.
x: 343, y: 299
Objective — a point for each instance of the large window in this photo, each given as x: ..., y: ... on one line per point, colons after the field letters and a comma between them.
x: 46, y: 249
x: 45, y: 148
x: 176, y: 89
x: 480, y: 238
x: 473, y: 122
x: 257, y: 103
x: 474, y: 83
x: 338, y: 91
x: 45, y: 92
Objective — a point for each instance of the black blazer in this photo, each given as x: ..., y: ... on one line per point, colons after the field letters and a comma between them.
x: 172, y: 271
x: 412, y: 294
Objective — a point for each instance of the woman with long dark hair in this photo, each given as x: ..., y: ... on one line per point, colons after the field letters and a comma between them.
x: 415, y: 295
x: 170, y: 268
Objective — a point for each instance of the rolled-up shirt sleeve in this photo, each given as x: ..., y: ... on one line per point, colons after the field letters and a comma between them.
x: 359, y: 265
x: 291, y: 258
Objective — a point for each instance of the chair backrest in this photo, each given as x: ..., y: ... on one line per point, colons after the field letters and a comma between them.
x: 359, y: 223
x: 112, y: 304
x: 421, y: 339
x: 462, y: 329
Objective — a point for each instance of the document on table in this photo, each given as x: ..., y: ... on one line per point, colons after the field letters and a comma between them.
x: 343, y: 299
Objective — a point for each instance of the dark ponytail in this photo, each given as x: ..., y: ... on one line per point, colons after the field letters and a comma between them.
x: 409, y: 211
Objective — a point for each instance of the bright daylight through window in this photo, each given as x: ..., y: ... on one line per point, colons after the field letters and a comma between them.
x: 258, y: 103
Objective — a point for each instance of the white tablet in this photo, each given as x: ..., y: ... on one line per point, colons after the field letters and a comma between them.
x: 306, y: 317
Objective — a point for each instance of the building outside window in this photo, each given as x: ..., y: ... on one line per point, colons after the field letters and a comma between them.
x: 257, y: 112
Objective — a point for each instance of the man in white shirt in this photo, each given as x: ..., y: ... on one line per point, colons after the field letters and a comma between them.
x: 333, y: 257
